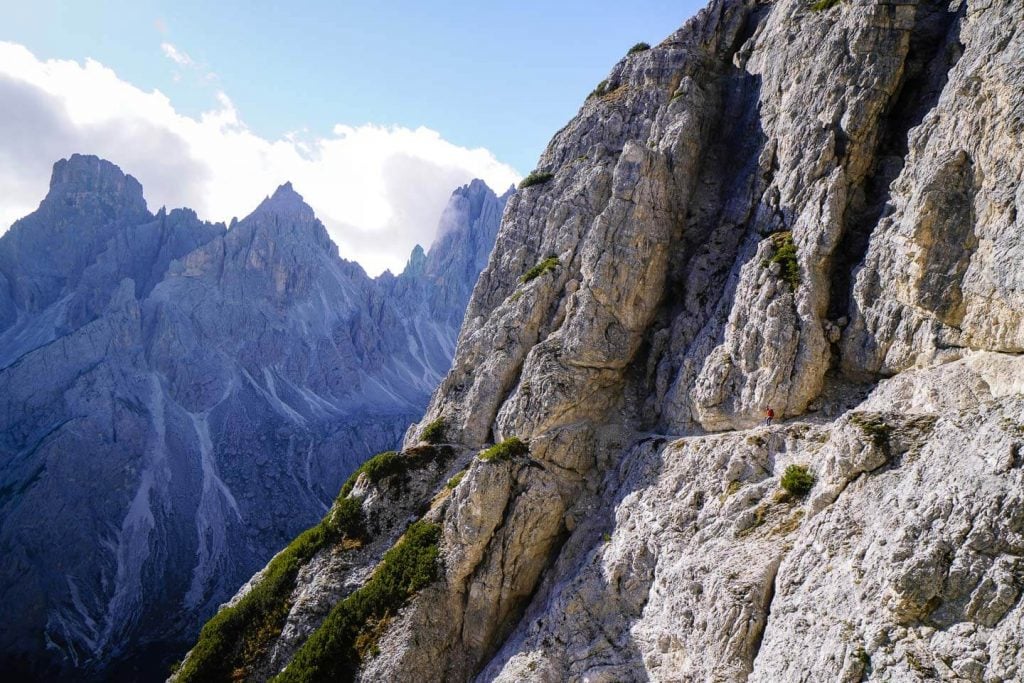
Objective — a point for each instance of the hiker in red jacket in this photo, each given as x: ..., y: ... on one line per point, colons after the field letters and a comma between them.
x: 769, y: 415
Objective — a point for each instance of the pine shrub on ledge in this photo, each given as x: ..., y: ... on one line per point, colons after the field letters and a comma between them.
x: 548, y: 264
x: 433, y: 433
x: 785, y: 255
x: 535, y: 178
x: 349, y: 632
x: 797, y: 480
x: 506, y: 450
x: 237, y: 636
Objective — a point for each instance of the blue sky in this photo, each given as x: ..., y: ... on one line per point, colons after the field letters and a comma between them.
x: 499, y: 76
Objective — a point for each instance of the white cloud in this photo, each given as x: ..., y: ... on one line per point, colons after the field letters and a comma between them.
x: 379, y: 189
x: 175, y: 55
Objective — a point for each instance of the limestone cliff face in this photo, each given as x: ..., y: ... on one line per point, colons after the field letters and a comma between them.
x: 178, y: 400
x: 817, y: 210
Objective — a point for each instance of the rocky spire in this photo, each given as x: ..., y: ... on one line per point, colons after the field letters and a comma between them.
x: 285, y: 203
x: 86, y: 177
x: 45, y: 253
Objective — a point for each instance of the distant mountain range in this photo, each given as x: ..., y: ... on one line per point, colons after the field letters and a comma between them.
x: 179, y: 399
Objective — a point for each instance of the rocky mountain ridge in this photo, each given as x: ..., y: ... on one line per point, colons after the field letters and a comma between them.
x: 179, y: 399
x: 814, y: 207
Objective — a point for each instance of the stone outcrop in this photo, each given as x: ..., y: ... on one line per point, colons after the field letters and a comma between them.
x: 814, y: 207
x: 179, y: 399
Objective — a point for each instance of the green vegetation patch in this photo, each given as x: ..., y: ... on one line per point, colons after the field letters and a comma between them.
x: 392, y: 463
x: 639, y: 47
x: 456, y: 480
x: 351, y: 629
x: 785, y: 256
x: 535, y: 178
x: 376, y: 468
x: 548, y: 264
x: 797, y: 480
x: 602, y: 89
x: 506, y: 450
x: 237, y: 636
x: 822, y: 5
x: 434, y: 432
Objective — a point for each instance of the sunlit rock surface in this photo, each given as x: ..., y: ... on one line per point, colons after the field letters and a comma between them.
x: 819, y: 210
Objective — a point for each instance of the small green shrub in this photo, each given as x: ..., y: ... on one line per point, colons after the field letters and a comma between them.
x: 454, y: 481
x: 822, y: 5
x: 639, y: 47
x: 548, y: 264
x: 348, y: 518
x: 390, y: 463
x: 601, y: 89
x: 506, y: 450
x: 797, y: 480
x: 376, y: 468
x: 236, y: 636
x: 331, y: 652
x: 785, y: 255
x: 433, y: 433
x: 535, y: 178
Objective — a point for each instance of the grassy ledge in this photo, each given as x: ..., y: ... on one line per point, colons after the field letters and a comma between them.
x: 237, y: 636
x: 350, y: 631
x: 822, y: 5
x: 392, y: 463
x: 548, y: 264
x: 535, y: 178
x: 785, y: 256
x: 434, y: 432
x: 456, y: 480
x: 639, y: 47
x: 506, y: 450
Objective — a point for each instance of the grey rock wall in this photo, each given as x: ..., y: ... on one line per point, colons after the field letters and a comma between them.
x: 813, y: 210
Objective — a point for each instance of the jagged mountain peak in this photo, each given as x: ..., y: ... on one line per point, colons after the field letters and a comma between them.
x: 84, y: 182
x: 417, y: 261
x: 476, y: 186
x: 90, y: 200
x: 90, y: 173
x: 182, y: 429
x: 285, y: 219
x: 465, y: 207
x: 285, y: 203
